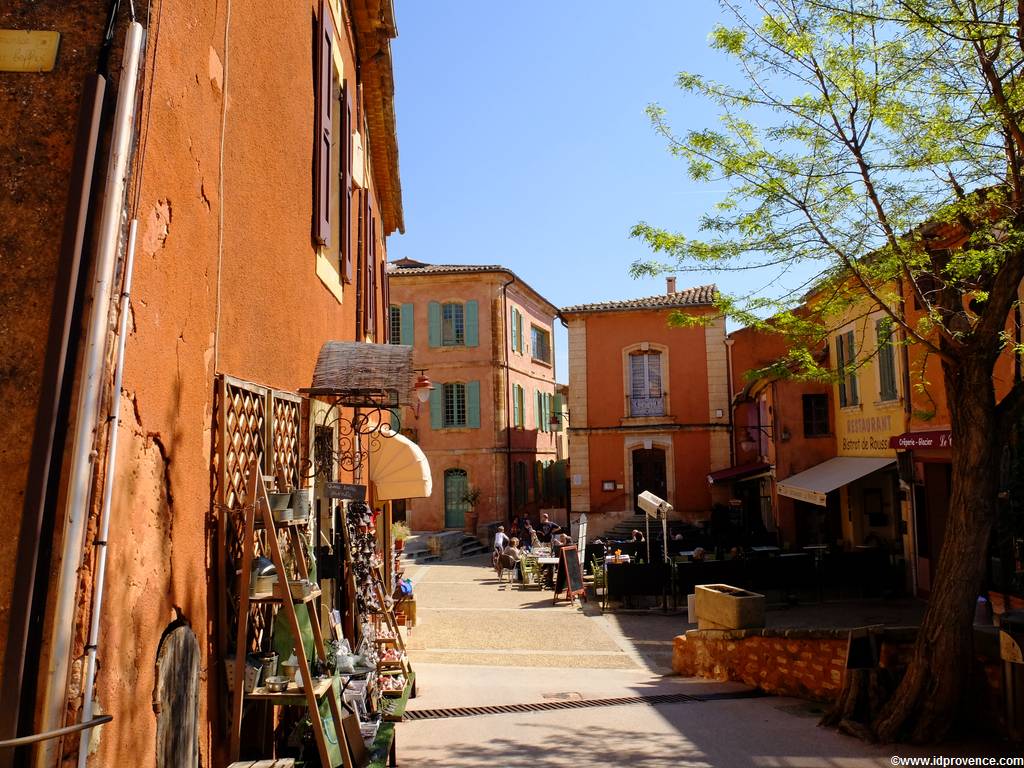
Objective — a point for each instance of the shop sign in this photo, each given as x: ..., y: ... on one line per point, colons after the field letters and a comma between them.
x: 867, y: 433
x: 23, y: 50
x: 345, y: 491
x: 911, y: 440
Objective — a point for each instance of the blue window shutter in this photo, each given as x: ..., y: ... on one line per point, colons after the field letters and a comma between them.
x: 408, y: 335
x: 436, y: 407
x: 473, y: 404
x: 472, y: 330
x: 434, y: 323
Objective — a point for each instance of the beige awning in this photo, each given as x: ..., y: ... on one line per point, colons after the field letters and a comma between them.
x: 398, y: 469
x: 813, y: 484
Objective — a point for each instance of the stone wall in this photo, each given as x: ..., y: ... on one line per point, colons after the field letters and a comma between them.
x: 789, y: 662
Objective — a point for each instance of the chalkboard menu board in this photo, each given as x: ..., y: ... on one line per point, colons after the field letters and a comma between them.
x: 570, y: 562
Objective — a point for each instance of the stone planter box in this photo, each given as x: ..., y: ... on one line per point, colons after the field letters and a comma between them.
x: 720, y: 606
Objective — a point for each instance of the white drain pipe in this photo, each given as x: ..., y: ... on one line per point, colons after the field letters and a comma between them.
x: 108, y: 492
x: 58, y: 649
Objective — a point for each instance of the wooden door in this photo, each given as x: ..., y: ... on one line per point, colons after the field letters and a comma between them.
x: 649, y: 474
x: 456, y: 483
x: 177, y: 723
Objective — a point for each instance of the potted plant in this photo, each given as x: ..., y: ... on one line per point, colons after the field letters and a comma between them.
x: 471, y: 497
x: 400, y: 532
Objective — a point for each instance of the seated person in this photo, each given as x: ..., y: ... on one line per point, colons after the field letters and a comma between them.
x: 637, y: 537
x: 530, y: 538
x: 509, y: 558
x: 698, y: 555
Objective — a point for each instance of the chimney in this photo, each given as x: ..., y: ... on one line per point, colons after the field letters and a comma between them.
x: 670, y: 285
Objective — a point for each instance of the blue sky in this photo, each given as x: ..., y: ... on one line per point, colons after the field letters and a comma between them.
x: 523, y: 139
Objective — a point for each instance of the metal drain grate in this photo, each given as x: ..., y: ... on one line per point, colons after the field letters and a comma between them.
x: 544, y: 706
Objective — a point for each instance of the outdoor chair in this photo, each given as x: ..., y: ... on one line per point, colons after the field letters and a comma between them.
x: 531, y: 573
x: 506, y: 566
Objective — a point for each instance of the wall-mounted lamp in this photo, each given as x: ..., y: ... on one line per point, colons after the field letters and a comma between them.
x: 422, y: 388
x: 750, y: 442
x: 557, y: 417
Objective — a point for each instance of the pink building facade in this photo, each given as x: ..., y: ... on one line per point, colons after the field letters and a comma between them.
x: 484, y: 337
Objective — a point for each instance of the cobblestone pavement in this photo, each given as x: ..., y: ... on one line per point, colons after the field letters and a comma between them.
x: 479, y: 643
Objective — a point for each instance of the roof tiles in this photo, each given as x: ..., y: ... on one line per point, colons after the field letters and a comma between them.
x: 698, y: 296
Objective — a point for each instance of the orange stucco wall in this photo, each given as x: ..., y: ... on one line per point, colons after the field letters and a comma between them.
x: 482, y: 452
x: 224, y: 282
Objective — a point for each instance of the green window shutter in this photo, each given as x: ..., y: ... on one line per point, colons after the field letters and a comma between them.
x: 434, y: 323
x: 558, y: 412
x: 473, y: 404
x: 512, y: 329
x: 516, y: 405
x: 886, y: 360
x: 396, y: 421
x: 521, y: 400
x: 536, y: 410
x: 851, y: 359
x: 841, y: 369
x: 472, y: 321
x: 436, y: 407
x: 408, y: 324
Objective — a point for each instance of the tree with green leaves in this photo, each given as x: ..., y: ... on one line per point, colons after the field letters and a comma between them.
x: 882, y: 143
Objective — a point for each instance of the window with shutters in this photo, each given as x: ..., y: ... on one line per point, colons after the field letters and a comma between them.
x: 395, y: 324
x: 330, y: 206
x: 516, y: 324
x: 541, y: 344
x: 846, y: 369
x: 454, y: 405
x: 518, y: 406
x: 885, y: 357
x: 453, y: 325
x: 646, y: 395
x: 815, y: 415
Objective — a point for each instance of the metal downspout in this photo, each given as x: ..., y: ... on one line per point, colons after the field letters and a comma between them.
x: 508, y: 396
x: 108, y: 492
x: 87, y: 408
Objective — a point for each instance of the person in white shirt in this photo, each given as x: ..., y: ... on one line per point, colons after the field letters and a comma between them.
x: 500, y: 542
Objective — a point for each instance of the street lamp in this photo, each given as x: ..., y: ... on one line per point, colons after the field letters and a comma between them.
x: 422, y: 388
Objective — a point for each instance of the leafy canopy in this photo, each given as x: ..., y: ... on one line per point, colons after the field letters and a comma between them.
x: 878, y: 140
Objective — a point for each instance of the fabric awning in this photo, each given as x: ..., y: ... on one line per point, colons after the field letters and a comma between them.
x: 812, y: 484
x: 399, y: 469
x: 740, y: 472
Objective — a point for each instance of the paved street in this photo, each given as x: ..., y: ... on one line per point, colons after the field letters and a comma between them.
x: 481, y: 644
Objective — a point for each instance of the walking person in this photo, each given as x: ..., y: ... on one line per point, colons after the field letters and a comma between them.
x: 500, y: 542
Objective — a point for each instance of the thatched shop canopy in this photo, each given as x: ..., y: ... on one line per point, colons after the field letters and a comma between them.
x: 361, y: 374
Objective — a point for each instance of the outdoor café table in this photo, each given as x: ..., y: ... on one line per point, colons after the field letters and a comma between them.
x: 766, y: 548
x: 611, y: 559
x: 548, y: 565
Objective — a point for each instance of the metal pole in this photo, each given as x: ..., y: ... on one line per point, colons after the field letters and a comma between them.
x: 108, y: 492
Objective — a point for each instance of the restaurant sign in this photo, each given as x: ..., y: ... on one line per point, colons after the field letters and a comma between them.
x: 345, y: 491
x: 910, y: 440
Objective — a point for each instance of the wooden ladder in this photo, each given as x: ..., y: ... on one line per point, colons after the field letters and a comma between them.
x: 258, y: 503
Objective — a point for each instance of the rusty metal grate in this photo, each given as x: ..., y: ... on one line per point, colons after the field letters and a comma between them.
x: 546, y: 706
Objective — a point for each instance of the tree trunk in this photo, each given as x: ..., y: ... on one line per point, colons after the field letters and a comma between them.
x: 926, y: 702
